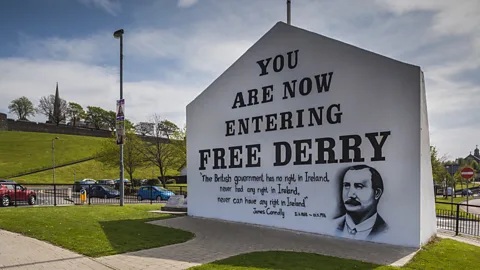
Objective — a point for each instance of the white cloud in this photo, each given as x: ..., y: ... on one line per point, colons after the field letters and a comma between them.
x: 89, y: 85
x: 111, y: 6
x: 443, y: 37
x: 186, y: 3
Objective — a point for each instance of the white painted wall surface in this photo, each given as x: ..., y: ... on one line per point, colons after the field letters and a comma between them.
x: 375, y: 94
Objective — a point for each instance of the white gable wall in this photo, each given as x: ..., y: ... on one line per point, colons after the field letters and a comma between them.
x: 375, y: 93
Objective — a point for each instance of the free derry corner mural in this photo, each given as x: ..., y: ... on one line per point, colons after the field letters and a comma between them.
x: 308, y: 133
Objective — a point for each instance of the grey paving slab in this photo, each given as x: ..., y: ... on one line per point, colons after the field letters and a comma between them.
x: 21, y: 252
x: 217, y: 240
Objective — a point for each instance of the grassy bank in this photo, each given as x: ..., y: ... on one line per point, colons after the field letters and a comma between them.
x: 442, y: 254
x: 24, y: 151
x: 93, y: 230
x: 89, y: 169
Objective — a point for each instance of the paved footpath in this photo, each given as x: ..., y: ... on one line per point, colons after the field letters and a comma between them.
x: 217, y: 240
x: 214, y: 240
x: 21, y: 252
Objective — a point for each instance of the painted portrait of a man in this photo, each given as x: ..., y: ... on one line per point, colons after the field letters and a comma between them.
x: 361, y: 191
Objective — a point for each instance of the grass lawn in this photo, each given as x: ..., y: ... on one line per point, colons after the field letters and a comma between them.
x: 442, y: 206
x: 22, y: 151
x: 439, y: 254
x: 94, y: 231
x: 89, y: 169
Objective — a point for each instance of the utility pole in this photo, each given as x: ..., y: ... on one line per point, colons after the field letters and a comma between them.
x: 119, y: 34
x: 288, y: 12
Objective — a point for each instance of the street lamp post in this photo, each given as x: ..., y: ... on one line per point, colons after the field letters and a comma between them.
x: 53, y: 170
x: 119, y: 34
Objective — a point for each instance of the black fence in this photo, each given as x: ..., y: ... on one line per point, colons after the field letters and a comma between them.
x: 80, y: 194
x: 459, y: 218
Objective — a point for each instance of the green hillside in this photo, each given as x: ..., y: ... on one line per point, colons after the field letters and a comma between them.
x: 26, y: 151
x: 89, y: 169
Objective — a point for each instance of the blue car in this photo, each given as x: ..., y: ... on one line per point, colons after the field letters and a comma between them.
x: 103, y: 192
x: 154, y: 193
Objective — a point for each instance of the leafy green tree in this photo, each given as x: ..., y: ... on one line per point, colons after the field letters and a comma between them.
x: 159, y: 150
x: 95, y: 116
x: 438, y: 169
x: 75, y: 112
x: 109, y: 119
x: 132, y: 157
x: 22, y: 107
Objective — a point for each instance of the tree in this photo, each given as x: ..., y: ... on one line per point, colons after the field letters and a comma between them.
x: 179, y: 140
x: 109, y: 119
x: 438, y: 170
x: 159, y: 151
x: 144, y: 128
x: 22, y: 107
x: 53, y: 107
x: 95, y: 116
x: 75, y: 112
x: 132, y: 157
x: 166, y: 128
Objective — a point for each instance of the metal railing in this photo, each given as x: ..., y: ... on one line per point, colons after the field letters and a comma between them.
x: 458, y: 220
x: 80, y: 194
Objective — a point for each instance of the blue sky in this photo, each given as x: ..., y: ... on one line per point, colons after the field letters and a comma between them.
x: 175, y: 48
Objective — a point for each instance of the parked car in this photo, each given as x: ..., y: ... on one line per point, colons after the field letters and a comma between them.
x: 153, y: 193
x: 103, y: 192
x: 106, y: 182
x: 467, y: 191
x: 126, y: 183
x: 8, y: 195
x: 85, y: 183
x: 449, y: 192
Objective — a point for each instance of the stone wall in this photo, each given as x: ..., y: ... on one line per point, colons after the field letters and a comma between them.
x: 51, y: 128
x: 3, y: 122
x: 12, y: 125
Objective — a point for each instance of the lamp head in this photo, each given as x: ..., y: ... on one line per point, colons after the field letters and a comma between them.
x: 56, y: 138
x: 118, y: 33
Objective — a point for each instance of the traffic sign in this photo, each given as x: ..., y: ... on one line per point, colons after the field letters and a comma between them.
x: 467, y: 173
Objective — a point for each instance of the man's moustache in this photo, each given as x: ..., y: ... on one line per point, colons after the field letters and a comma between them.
x: 352, y: 202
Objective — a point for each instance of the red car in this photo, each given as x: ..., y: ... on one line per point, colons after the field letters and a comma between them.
x: 8, y: 194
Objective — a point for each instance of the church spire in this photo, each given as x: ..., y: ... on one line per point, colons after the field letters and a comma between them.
x: 476, y: 153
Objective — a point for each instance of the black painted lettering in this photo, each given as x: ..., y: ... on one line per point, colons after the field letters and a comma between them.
x: 322, y: 150
x: 318, y: 116
x: 287, y: 88
x: 278, y: 153
x: 377, y: 147
x: 218, y: 158
x: 292, y: 65
x: 286, y: 120
x: 267, y: 94
x: 323, y: 85
x: 271, y: 124
x: 300, y: 118
x: 305, y: 86
x: 338, y: 114
x: 204, y: 155
x: 230, y: 130
x: 235, y: 160
x: 256, y: 120
x: 252, y: 97
x: 346, y: 147
x: 301, y: 151
x: 239, y: 102
x: 278, y: 63
x: 243, y: 126
x: 263, y: 66
x: 252, y: 159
